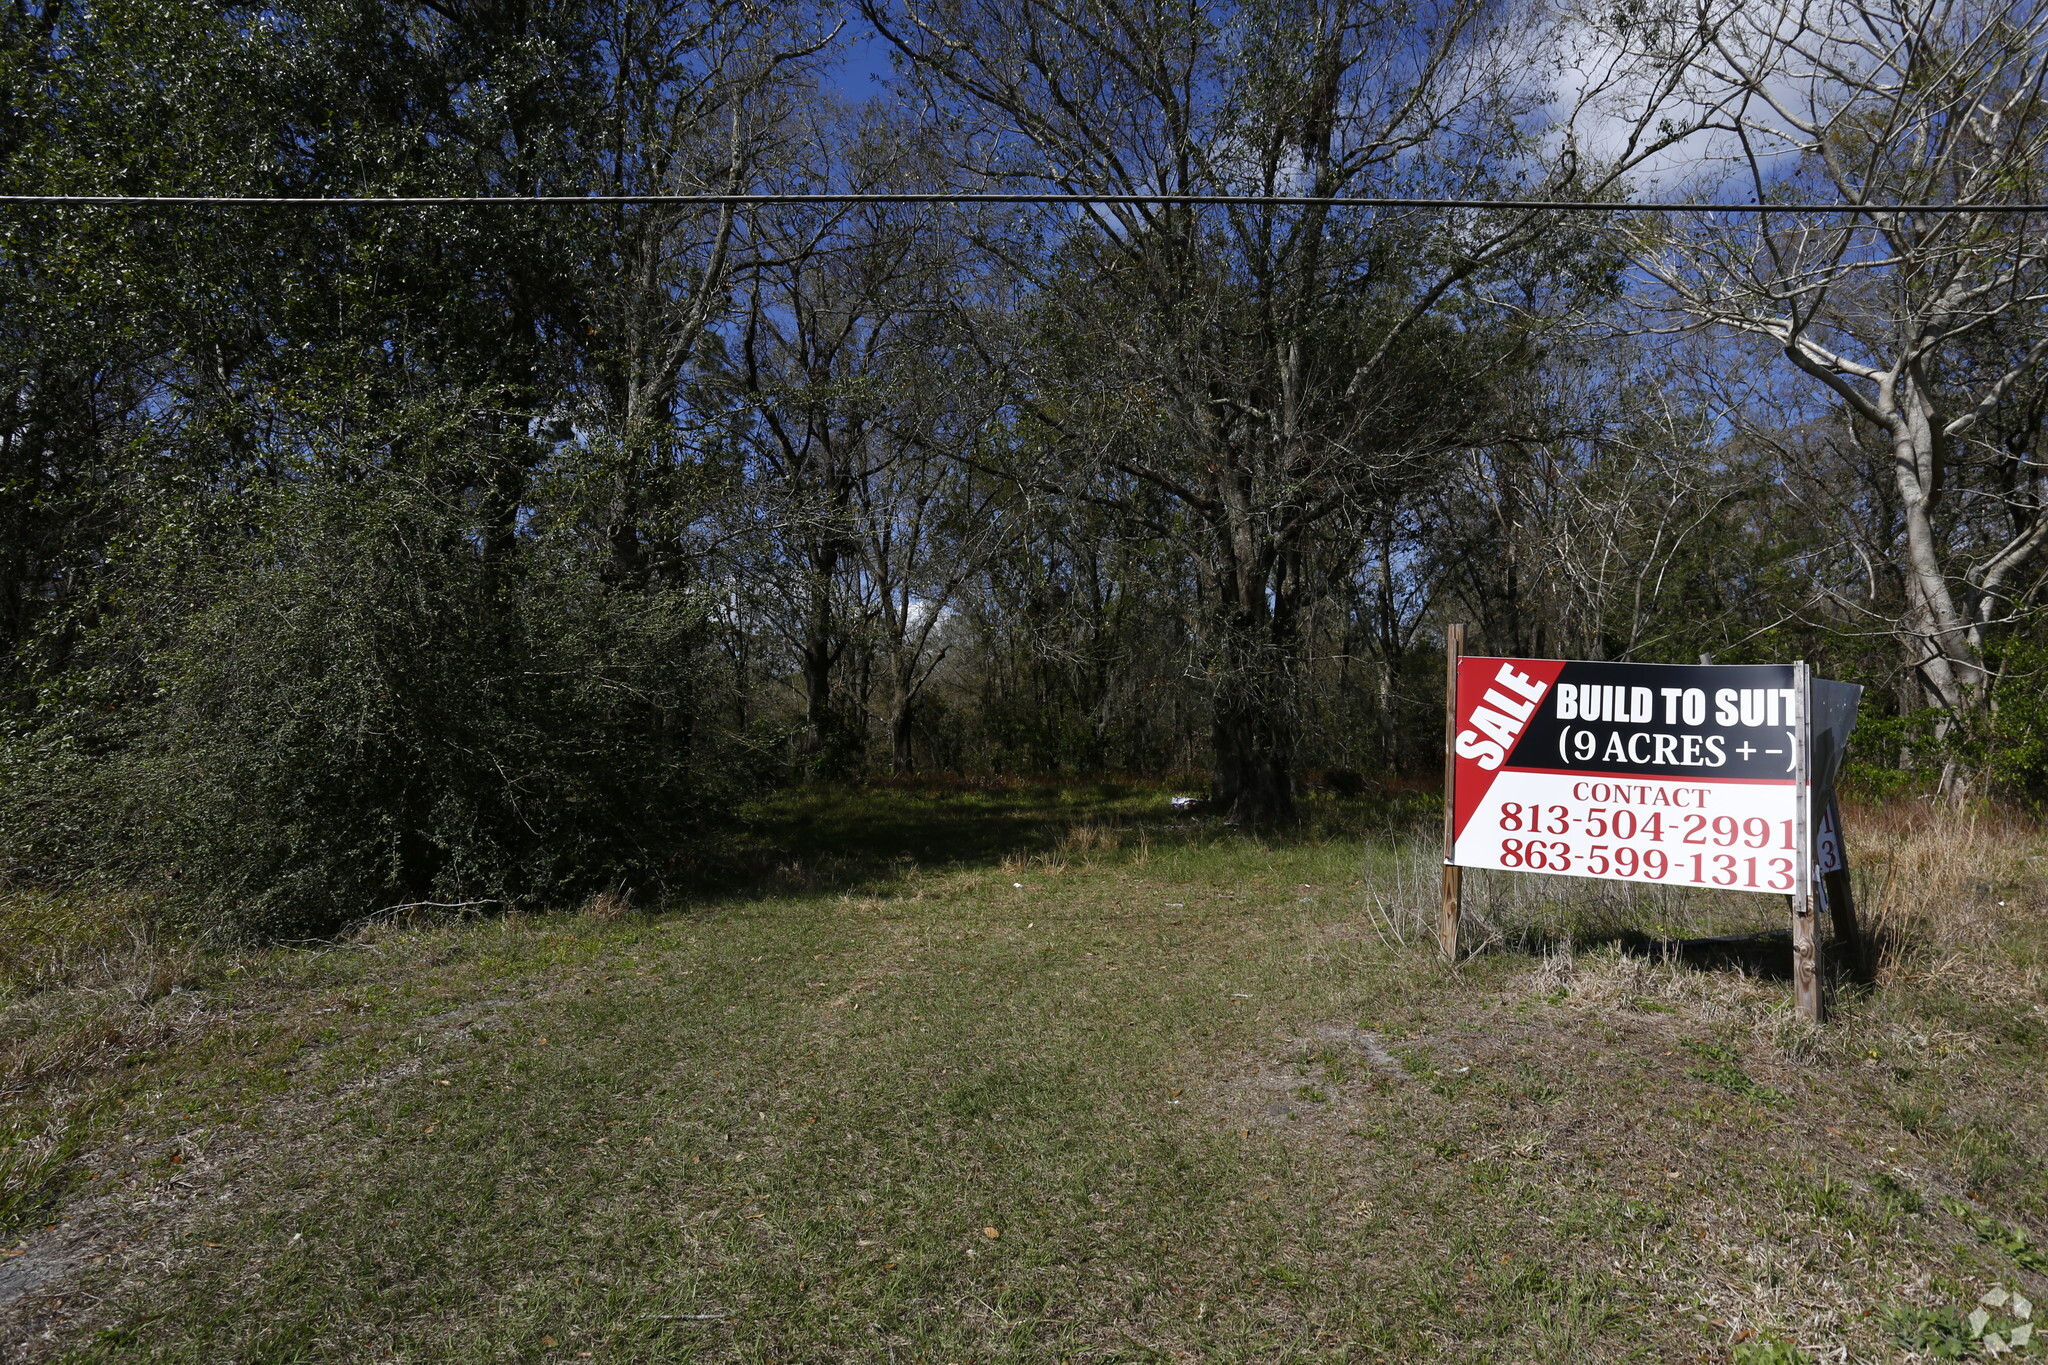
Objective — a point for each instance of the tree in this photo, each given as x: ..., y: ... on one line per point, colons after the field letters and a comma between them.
x: 1929, y: 329
x: 1268, y: 372
x: 350, y: 639
x: 853, y: 409
x: 700, y: 97
x: 928, y: 526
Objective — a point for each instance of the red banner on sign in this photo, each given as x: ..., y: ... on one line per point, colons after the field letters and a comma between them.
x: 1497, y: 698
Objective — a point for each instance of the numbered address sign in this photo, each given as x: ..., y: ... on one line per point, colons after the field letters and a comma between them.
x: 1672, y: 773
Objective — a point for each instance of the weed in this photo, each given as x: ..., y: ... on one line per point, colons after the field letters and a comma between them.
x: 1830, y: 1199
x: 2011, y: 1240
x: 1796, y: 1039
x: 609, y: 906
x: 2001, y: 1322
x: 1895, y: 1193
x: 1727, y: 1074
x: 1915, y: 1116
x: 1768, y: 1351
x: 33, y: 1167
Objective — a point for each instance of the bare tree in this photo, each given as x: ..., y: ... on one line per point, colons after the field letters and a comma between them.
x: 697, y: 97
x: 1263, y: 373
x: 926, y: 529
x: 853, y: 415
x: 1576, y: 537
x: 1929, y: 329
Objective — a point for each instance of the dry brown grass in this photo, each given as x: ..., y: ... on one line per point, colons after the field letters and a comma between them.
x: 55, y: 940
x: 1090, y: 836
x: 1945, y: 894
x: 1941, y: 886
x: 609, y: 906
x: 1604, y: 979
x: 1523, y: 913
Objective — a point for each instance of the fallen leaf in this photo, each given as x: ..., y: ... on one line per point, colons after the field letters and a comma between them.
x: 990, y: 1233
x: 547, y: 1341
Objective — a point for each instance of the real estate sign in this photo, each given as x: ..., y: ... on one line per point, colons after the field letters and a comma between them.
x: 1689, y: 775
x: 1709, y: 775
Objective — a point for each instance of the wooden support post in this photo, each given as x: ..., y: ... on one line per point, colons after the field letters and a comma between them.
x: 1447, y: 913
x: 1805, y: 945
x: 1841, y: 897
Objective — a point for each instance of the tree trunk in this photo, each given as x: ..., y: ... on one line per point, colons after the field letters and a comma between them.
x: 1947, y: 648
x: 899, y: 738
x: 1389, y: 724
x: 817, y: 674
x: 817, y: 658
x: 1254, y: 762
x: 1948, y: 658
x: 1252, y: 716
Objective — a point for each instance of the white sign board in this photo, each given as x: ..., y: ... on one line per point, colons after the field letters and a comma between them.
x: 1679, y: 774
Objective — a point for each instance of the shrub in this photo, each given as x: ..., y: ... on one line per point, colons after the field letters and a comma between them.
x: 359, y: 704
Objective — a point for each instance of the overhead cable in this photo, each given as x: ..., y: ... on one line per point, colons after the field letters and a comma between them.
x: 423, y: 201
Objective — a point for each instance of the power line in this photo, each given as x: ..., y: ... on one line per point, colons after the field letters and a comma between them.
x: 427, y: 201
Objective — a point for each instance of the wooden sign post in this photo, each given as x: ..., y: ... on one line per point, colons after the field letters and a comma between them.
x: 1805, y: 943
x: 1448, y: 912
x: 1707, y: 775
x: 1831, y: 856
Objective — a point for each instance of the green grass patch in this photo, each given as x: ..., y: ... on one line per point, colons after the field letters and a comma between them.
x: 1084, y: 1083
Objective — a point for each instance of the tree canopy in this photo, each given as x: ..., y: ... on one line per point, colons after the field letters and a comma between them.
x: 357, y: 557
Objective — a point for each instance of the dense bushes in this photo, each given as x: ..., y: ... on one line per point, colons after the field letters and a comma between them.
x: 354, y: 704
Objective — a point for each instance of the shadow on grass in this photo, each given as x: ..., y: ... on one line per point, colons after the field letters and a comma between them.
x: 1766, y: 954
x: 851, y: 838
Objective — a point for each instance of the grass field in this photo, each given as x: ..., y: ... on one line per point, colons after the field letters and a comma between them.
x: 1035, y: 1075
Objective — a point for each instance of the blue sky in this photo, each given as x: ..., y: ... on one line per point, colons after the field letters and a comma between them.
x: 864, y: 63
